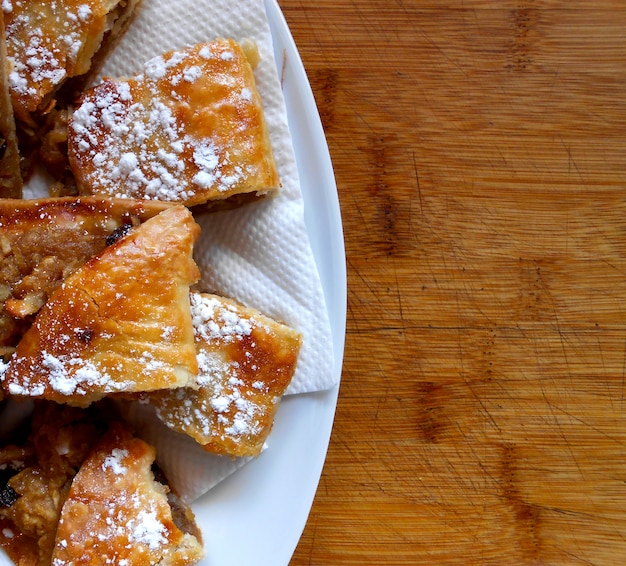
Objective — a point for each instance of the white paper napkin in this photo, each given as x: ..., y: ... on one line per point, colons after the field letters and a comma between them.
x: 259, y: 254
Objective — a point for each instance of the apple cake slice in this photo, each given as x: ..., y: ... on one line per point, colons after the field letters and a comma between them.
x: 80, y: 483
x: 117, y: 513
x: 119, y: 323
x: 246, y: 361
x: 189, y: 129
x: 43, y: 241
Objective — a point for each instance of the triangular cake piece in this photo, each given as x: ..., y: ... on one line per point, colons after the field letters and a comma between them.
x: 42, y: 241
x: 246, y: 361
x: 120, y: 323
x: 10, y: 169
x: 189, y: 129
x: 116, y: 513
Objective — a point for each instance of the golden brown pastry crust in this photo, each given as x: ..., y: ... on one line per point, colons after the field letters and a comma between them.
x: 193, y: 130
x: 43, y: 241
x: 10, y: 170
x: 47, y: 42
x: 116, y: 513
x: 246, y: 361
x: 119, y: 323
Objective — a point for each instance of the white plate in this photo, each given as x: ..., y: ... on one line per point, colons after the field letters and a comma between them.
x: 257, y: 515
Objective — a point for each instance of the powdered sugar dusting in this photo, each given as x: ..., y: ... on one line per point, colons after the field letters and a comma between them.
x: 84, y: 11
x: 215, y: 320
x: 128, y: 523
x: 114, y: 461
x: 147, y: 529
x: 71, y: 375
x: 68, y: 375
x: 192, y: 74
x: 168, y: 333
x: 131, y: 518
x: 221, y: 407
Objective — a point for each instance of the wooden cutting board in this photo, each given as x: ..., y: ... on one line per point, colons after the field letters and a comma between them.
x: 480, y: 154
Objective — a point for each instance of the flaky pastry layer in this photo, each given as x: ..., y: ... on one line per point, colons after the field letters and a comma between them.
x: 119, y: 323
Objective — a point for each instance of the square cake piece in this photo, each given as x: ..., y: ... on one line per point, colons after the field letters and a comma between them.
x: 49, y: 42
x: 189, y: 129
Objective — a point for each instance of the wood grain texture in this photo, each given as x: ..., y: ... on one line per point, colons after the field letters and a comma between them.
x: 480, y: 155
